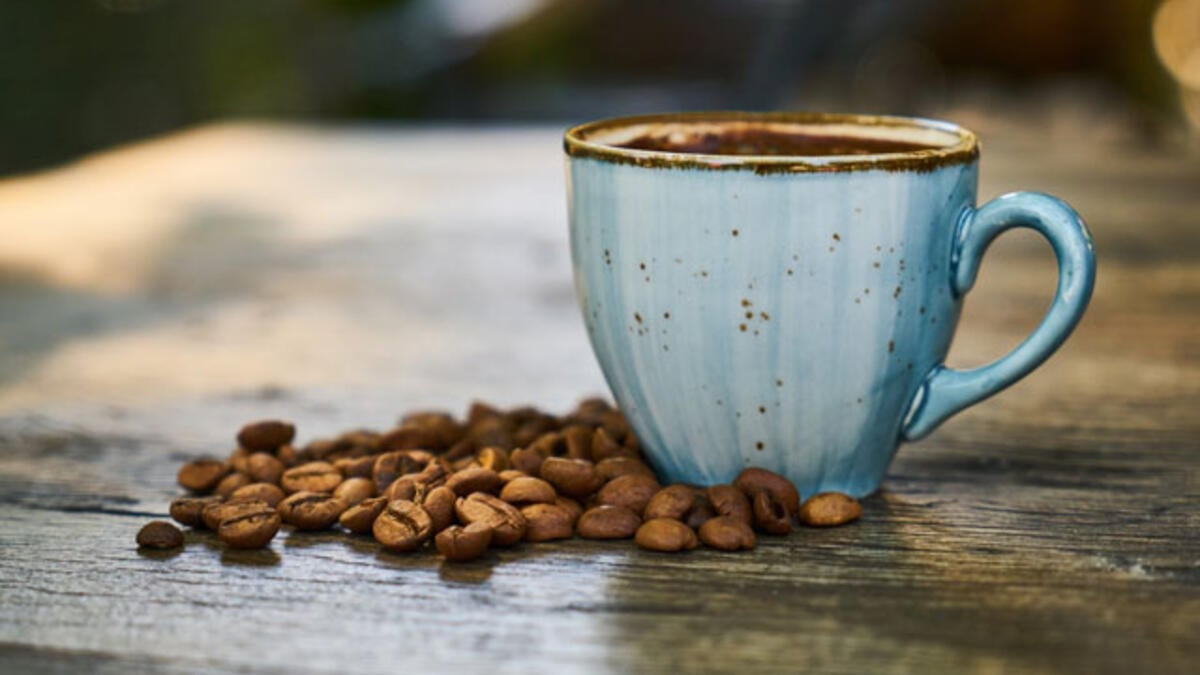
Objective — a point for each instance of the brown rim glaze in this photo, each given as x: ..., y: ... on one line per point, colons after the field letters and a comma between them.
x: 963, y: 149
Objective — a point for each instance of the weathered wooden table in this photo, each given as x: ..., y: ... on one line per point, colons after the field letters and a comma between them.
x: 154, y: 298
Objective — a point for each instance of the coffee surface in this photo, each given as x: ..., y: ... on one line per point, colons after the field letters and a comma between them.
x: 767, y: 142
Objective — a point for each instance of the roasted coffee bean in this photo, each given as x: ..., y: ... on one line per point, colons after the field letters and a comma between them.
x: 311, y: 510
x: 579, y: 441
x: 526, y: 460
x: 475, y: 479
x: 615, y: 425
x: 830, y: 509
x: 356, y: 467
x: 608, y: 522
x: 612, y: 467
x: 391, y: 465
x: 571, y: 506
x: 202, y: 475
x: 529, y: 431
x: 589, y: 412
x: 727, y: 534
x: 439, y: 504
x: 633, y: 491
x: 310, y: 477
x: 289, y: 456
x: 264, y: 468
x: 751, y: 481
x: 509, y: 475
x: 361, y: 517
x: 528, y: 490
x: 354, y: 490
x: 356, y: 441
x: 479, y: 411
x: 441, y: 430
x: 673, y: 501
x: 666, y: 535
x: 318, y: 449
x: 699, y: 514
x: 491, y: 432
x: 632, y: 444
x: 188, y: 510
x: 770, y: 515
x: 507, y: 523
x: 463, y: 464
x: 729, y: 501
x: 239, y: 460
x: 405, y: 488
x: 230, y: 483
x: 604, y: 447
x: 492, y: 458
x: 264, y: 492
x: 215, y: 514
x: 460, y: 544
x: 552, y: 444
x: 547, y: 522
x: 574, y: 478
x: 159, y: 534
x: 250, y: 530
x: 266, y: 436
x: 403, y: 526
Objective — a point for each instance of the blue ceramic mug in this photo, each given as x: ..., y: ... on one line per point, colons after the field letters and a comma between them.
x: 780, y: 290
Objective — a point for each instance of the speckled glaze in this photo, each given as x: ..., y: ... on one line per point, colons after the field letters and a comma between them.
x: 796, y: 321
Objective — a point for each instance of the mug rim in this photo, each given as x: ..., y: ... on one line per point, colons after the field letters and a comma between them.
x: 578, y: 142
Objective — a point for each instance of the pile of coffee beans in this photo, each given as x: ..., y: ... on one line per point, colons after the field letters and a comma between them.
x: 493, y: 479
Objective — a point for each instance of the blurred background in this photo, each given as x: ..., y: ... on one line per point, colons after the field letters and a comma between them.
x: 80, y: 75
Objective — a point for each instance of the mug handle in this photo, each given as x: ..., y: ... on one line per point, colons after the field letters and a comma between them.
x: 946, y: 391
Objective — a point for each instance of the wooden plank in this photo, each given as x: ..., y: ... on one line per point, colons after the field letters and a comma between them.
x: 1052, y: 529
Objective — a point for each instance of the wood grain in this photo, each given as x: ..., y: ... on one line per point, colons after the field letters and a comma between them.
x: 340, y: 277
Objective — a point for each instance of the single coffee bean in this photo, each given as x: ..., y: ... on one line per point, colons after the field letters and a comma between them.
x: 474, y: 479
x: 311, y: 510
x: 830, y: 509
x: 310, y: 477
x: 666, y: 535
x: 727, y: 533
x: 608, y: 522
x: 403, y: 488
x: 250, y: 530
x: 699, y: 514
x: 464, y: 463
x: 528, y: 490
x: 391, y: 465
x: 265, y: 492
x: 571, y: 506
x: 188, y: 510
x: 264, y: 468
x: 403, y: 526
x: 439, y: 504
x: 729, y: 501
x: 408, y: 437
x: 231, y: 483
x: 673, y: 501
x: 239, y: 460
x: 620, y: 466
x: 579, y: 441
x: 202, y: 475
x: 509, y: 475
x: 356, y: 467
x: 526, y: 460
x: 632, y: 491
x: 550, y: 444
x: 460, y: 544
x: 491, y: 432
x: 289, y: 456
x: 354, y: 490
x: 751, y: 481
x: 361, y: 442
x: 547, y: 522
x: 492, y: 458
x: 770, y: 515
x: 361, y: 517
x: 317, y: 450
x: 215, y: 514
x: 575, y: 478
x: 479, y: 411
x: 440, y: 429
x: 589, y: 411
x: 604, y: 447
x: 507, y: 523
x: 266, y: 436
x: 615, y: 425
x: 159, y: 534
